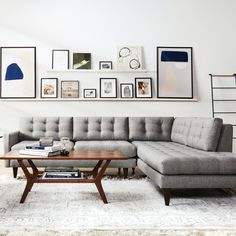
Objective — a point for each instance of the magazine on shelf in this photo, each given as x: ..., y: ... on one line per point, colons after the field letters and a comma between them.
x: 66, y: 175
x: 42, y: 153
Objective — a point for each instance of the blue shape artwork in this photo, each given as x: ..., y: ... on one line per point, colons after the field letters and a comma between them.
x: 174, y: 56
x: 14, y: 72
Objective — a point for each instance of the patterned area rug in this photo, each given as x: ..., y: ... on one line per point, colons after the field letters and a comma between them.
x: 133, y: 204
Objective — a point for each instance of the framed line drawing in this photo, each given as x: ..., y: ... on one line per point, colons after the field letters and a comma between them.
x: 174, y: 72
x: 108, y: 88
x: 70, y: 89
x: 60, y: 59
x: 143, y: 87
x: 18, y: 72
x: 49, y: 88
x: 90, y: 93
x: 126, y: 90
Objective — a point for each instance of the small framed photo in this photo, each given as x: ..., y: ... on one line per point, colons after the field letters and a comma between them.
x: 69, y: 89
x: 81, y: 61
x: 143, y: 87
x: 126, y: 90
x: 105, y: 65
x: 108, y: 88
x: 49, y: 88
x: 60, y: 59
x: 90, y: 93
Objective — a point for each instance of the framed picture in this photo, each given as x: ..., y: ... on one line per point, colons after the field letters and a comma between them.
x: 18, y: 72
x: 49, y: 88
x: 60, y: 59
x: 105, y: 65
x: 69, y: 89
x: 143, y: 87
x: 126, y: 90
x: 90, y: 93
x: 174, y: 72
x: 129, y: 58
x: 81, y: 61
x: 108, y: 88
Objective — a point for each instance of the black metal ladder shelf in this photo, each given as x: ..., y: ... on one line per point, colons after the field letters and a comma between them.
x: 213, y: 100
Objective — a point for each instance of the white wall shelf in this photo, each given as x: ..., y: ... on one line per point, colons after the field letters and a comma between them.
x: 99, y: 100
x: 101, y: 71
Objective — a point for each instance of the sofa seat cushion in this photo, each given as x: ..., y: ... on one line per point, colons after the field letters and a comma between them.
x: 171, y: 158
x: 21, y: 145
x: 109, y: 145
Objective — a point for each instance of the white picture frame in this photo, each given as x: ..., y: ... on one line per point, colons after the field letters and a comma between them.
x: 60, y: 59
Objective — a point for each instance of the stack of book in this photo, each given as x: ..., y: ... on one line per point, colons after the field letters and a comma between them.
x: 44, y: 151
x: 60, y: 174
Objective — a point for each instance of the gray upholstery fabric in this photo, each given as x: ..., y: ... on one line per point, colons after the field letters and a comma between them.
x: 187, y: 181
x: 225, y: 143
x: 36, y: 127
x: 200, y: 133
x: 23, y: 144
x: 180, y: 130
x: 150, y: 128
x: 171, y: 158
x: 130, y: 163
x: 100, y: 128
x: 204, y: 133
x: 109, y: 145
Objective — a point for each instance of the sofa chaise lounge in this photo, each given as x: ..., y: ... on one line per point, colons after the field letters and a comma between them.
x: 173, y: 152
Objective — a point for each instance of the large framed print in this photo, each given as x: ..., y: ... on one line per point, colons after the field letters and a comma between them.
x: 174, y: 72
x: 69, y: 89
x: 108, y: 88
x: 18, y: 72
x: 60, y: 59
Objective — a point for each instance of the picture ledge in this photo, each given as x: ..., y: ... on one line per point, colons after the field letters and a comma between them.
x: 101, y: 71
x: 101, y: 100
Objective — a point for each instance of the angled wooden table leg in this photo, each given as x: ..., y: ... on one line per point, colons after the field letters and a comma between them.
x: 30, y: 178
x: 98, y: 182
x: 96, y: 168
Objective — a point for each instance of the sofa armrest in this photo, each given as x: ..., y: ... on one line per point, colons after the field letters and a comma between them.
x: 10, y: 139
x: 225, y: 143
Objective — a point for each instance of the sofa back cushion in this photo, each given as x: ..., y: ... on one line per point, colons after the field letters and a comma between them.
x: 100, y: 128
x: 32, y: 128
x: 150, y: 128
x: 200, y: 133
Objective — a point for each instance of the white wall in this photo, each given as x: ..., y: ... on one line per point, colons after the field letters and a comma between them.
x: 99, y: 26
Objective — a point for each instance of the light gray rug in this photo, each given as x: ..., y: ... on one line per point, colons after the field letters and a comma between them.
x: 133, y: 204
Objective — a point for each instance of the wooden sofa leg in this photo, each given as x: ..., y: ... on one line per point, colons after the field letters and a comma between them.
x: 133, y: 171
x: 15, y: 169
x: 119, y: 171
x: 166, y: 192
x: 125, y: 172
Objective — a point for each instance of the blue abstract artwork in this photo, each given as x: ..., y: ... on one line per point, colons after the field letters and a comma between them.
x: 14, y: 72
x: 174, y: 56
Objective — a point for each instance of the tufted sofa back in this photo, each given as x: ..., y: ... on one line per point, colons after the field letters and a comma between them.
x: 32, y: 128
x: 150, y: 128
x: 100, y: 128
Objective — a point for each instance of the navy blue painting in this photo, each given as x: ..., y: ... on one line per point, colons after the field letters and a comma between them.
x: 174, y: 56
x: 14, y: 72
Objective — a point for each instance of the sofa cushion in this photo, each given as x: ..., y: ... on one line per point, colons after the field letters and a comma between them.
x: 100, y: 128
x: 21, y: 145
x: 109, y: 145
x: 200, y: 133
x: 36, y: 127
x: 171, y: 158
x: 150, y: 128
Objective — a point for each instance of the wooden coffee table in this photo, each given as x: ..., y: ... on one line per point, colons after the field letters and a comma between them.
x: 36, y: 176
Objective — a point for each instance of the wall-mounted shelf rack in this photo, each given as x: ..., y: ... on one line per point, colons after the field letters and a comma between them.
x: 101, y: 71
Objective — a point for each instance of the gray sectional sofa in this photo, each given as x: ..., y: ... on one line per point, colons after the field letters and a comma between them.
x: 173, y: 152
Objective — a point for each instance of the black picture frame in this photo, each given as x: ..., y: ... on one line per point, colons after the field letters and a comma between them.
x: 23, y: 75
x: 108, y: 89
x: 55, y: 95
x: 121, y: 90
x: 137, y: 89
x: 170, y: 58
x: 105, y: 62
x: 70, y: 94
x: 94, y: 90
x: 67, y: 60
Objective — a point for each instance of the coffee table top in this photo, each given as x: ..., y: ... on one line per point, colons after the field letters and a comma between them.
x: 73, y: 155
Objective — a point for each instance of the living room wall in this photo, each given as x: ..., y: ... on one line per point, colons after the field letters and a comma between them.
x: 98, y: 27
